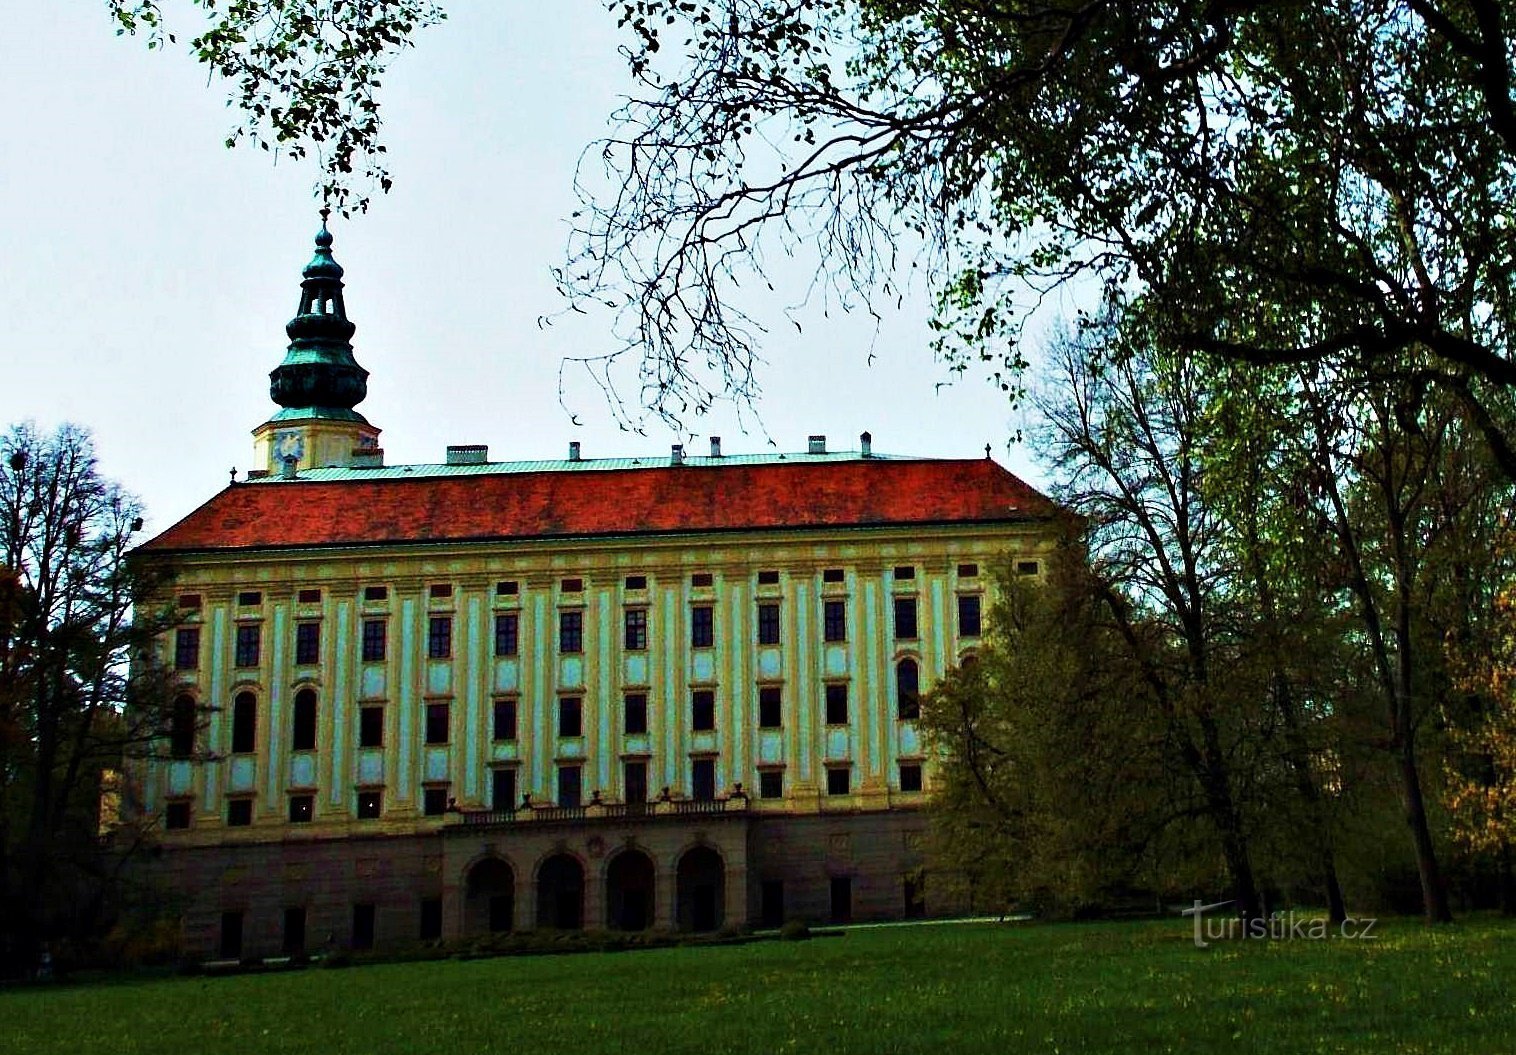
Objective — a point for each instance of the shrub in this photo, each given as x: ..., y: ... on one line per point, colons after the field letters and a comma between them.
x: 794, y: 930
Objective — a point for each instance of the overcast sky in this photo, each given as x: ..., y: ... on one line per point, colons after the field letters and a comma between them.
x: 148, y: 271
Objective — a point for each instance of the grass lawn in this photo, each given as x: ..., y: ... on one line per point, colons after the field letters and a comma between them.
x: 1002, y: 988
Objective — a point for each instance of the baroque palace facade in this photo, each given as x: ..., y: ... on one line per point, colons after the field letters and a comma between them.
x: 430, y: 701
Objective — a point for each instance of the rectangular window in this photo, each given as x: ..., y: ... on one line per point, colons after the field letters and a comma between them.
x: 439, y: 637
x: 434, y: 801
x: 231, y: 936
x: 570, y: 786
x: 369, y: 803
x: 570, y: 716
x: 437, y: 723
x: 771, y: 897
x: 836, y: 705
x: 702, y: 626
x: 703, y: 779
x: 770, y: 707
x: 244, y: 723
x: 503, y: 789
x: 573, y: 585
x: 307, y: 643
x: 189, y: 600
x: 187, y: 648
x: 768, y: 624
x: 634, y: 781
x: 373, y: 640
x: 363, y: 926
x: 968, y: 571
x: 837, y: 780
x: 248, y: 635
x: 702, y: 710
x: 239, y: 813
x: 910, y: 776
x: 376, y: 593
x: 507, y: 633
x: 634, y: 720
x: 771, y: 783
x: 968, y: 615
x: 842, y: 899
x: 176, y: 815
x: 635, y: 638
x: 832, y: 575
x: 905, y: 618
x: 834, y: 621
x: 504, y: 724
x: 371, y: 727
x: 250, y: 598
x: 431, y: 919
x: 508, y: 588
x: 701, y: 580
x: 768, y: 578
x: 1026, y: 567
x: 440, y: 590
x: 308, y: 597
x: 303, y: 727
x: 181, y: 734
x: 905, y: 571
x: 302, y: 808
x: 636, y: 582
x: 571, y: 631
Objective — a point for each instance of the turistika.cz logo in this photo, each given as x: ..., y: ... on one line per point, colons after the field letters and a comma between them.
x: 1211, y: 926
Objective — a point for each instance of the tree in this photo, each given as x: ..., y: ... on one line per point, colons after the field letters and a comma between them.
x: 73, y: 703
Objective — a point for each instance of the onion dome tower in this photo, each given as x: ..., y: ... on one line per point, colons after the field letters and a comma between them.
x: 319, y: 383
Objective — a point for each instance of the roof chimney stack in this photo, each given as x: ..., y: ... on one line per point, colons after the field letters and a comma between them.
x: 817, y: 445
x: 866, y: 445
x: 287, y: 467
x: 467, y: 454
x: 676, y: 454
x: 715, y: 446
x: 574, y: 451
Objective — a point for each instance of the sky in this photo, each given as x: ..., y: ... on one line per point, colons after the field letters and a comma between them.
x: 147, y: 272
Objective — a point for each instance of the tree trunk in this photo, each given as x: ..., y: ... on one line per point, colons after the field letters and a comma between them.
x: 1434, y: 894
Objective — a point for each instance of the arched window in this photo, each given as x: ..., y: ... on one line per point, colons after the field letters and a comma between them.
x: 304, y: 738
x: 181, y: 733
x: 908, y: 690
x: 244, y: 723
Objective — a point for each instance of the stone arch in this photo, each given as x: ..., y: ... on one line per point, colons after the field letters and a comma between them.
x: 560, y: 892
x: 700, y: 889
x: 489, y: 904
x: 630, y: 885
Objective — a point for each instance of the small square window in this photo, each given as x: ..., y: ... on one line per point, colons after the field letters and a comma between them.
x: 771, y: 783
x: 248, y: 638
x: 702, y: 626
x: 440, y: 590
x: 307, y: 643
x: 176, y: 816
x: 371, y: 727
x: 437, y: 723
x: 635, y: 636
x: 836, y: 704
x: 905, y: 618
x: 573, y: 585
x: 187, y: 648
x: 508, y: 588
x: 376, y: 593
x: 905, y: 571
x: 968, y: 615
x: 570, y: 786
x: 239, y: 813
x: 834, y: 621
x: 369, y: 803
x: 504, y: 720
x: 302, y: 808
x: 433, y: 801
x: 308, y: 597
x: 703, y: 779
x: 701, y: 580
x: 837, y: 780
x: 507, y: 634
x: 910, y: 776
x: 768, y: 624
x: 250, y: 598
x: 770, y: 707
x: 373, y: 640
x: 636, y: 582
x: 702, y: 710
x: 832, y: 575
x: 1027, y: 567
x: 968, y: 571
x: 439, y: 637
x: 570, y: 717
x: 503, y: 789
x: 189, y: 600
x: 635, y: 714
x: 571, y: 631
x: 768, y: 578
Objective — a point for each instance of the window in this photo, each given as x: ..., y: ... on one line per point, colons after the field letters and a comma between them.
x: 905, y: 571
x: 968, y: 615
x: 910, y: 776
x: 834, y: 620
x: 507, y: 633
x: 570, y: 716
x: 768, y: 624
x: 837, y: 780
x: 771, y: 783
x: 250, y: 598
x: 842, y: 899
x: 440, y: 590
x: 376, y: 593
x: 189, y: 600
x: 573, y: 585
x: 771, y: 914
x: 905, y: 618
x: 570, y: 792
x: 770, y: 707
x: 439, y: 637
x: 571, y: 631
x: 431, y: 919
x: 247, y: 645
x: 504, y: 720
x: 363, y: 926
x: 434, y: 801
x: 702, y: 626
x: 636, y: 582
x: 634, y: 781
x: 302, y: 808
x: 502, y: 789
x: 187, y: 649
x: 907, y: 690
x: 768, y: 578
x: 176, y: 815
x: 181, y: 732
x: 702, y: 710
x: 239, y: 813
x: 968, y: 571
x: 308, y: 597
x: 832, y: 575
x: 231, y: 936
x: 634, y: 714
x: 1026, y: 567
x: 368, y: 805
x: 373, y: 640
x: 294, y: 931
x: 303, y: 729
x: 836, y: 705
x: 508, y: 588
x: 371, y: 727
x: 635, y: 638
x: 436, y: 723
x: 308, y: 643
x: 244, y: 723
x: 701, y: 580
x: 703, y: 779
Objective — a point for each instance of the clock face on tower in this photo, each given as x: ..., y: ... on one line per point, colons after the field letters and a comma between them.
x: 289, y: 445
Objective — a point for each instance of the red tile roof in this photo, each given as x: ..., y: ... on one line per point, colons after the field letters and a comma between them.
x: 667, y: 499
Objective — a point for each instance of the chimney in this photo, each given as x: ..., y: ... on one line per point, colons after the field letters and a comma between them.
x: 817, y: 445
x: 715, y: 446
x: 676, y: 454
x: 287, y: 468
x: 866, y: 445
x: 467, y: 454
x: 367, y: 458
x: 574, y: 451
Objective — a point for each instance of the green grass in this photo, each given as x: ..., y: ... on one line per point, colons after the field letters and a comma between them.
x: 943, y: 989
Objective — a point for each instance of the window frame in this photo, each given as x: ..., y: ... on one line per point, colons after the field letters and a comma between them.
x: 187, y: 648
x: 570, y: 631
x: 439, y: 637
x: 307, y: 643
x: 835, y: 701
x: 834, y: 620
x: 375, y: 642
x: 770, y: 626
x: 770, y: 696
x: 565, y: 711
x: 371, y: 726
x: 634, y: 630
x: 702, y: 710
x: 507, y: 633
x: 247, y: 649
x: 703, y: 626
